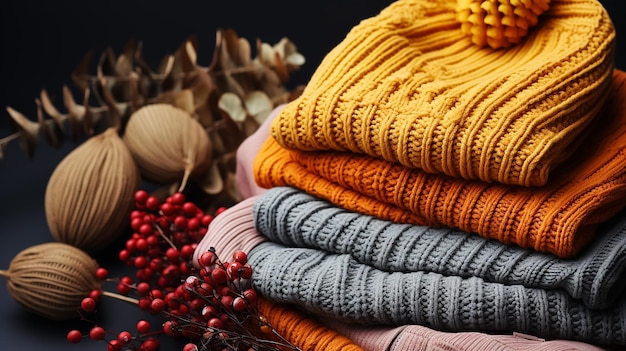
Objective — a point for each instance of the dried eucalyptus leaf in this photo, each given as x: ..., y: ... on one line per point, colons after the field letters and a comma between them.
x: 106, y: 64
x: 133, y: 92
x: 124, y: 64
x: 245, y: 52
x: 295, y: 59
x: 280, y: 68
x: 27, y: 129
x: 233, y: 106
x: 230, y: 84
x: 191, y: 52
x: 184, y: 100
x: 202, y: 73
x: 116, y: 110
x: 75, y: 112
x: 225, y: 61
x: 237, y: 48
x: 183, y: 64
x: 272, y: 86
x: 166, y: 66
x: 80, y: 75
x: 87, y: 119
x: 219, y: 40
x: 51, y: 131
x: 202, y: 92
x: 289, y: 52
x: 142, y: 67
x: 258, y: 105
x: 52, y: 111
x: 266, y: 54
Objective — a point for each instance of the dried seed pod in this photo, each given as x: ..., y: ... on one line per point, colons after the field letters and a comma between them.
x: 51, y: 279
x: 90, y: 193
x: 167, y: 144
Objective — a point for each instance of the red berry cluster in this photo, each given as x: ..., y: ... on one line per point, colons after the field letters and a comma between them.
x: 164, y: 238
x: 213, y: 307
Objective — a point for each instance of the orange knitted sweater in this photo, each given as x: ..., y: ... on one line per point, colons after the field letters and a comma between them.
x: 303, y: 331
x: 559, y: 217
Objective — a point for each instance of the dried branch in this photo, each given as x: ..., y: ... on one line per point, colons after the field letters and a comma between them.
x: 230, y: 98
x: 124, y: 83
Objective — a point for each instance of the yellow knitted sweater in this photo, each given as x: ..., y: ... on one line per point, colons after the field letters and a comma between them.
x: 408, y: 86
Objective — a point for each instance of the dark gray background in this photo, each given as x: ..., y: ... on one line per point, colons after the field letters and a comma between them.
x: 42, y: 42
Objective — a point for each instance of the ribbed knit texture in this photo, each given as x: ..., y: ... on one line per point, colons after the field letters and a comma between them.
x: 303, y: 331
x: 559, y: 217
x: 234, y: 230
x: 244, y: 235
x: 337, y: 286
x: 370, y: 338
x: 296, y: 219
x: 297, y: 326
x: 420, y: 338
x: 409, y: 87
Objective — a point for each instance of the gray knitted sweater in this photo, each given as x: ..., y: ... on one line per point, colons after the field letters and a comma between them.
x: 354, y: 267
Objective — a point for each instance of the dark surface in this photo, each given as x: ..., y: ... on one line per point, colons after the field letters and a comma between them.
x: 42, y: 42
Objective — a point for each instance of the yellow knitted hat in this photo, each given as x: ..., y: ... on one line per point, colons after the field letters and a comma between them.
x: 409, y: 86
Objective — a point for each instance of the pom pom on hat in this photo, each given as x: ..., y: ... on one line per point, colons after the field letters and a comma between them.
x: 499, y: 23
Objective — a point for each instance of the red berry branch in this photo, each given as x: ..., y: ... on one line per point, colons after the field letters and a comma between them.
x: 213, y: 307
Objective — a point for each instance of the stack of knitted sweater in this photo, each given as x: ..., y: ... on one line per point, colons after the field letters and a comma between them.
x: 426, y: 191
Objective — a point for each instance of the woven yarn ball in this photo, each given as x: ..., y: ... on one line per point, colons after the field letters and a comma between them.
x: 51, y: 279
x: 499, y: 23
x: 167, y: 143
x: 90, y: 193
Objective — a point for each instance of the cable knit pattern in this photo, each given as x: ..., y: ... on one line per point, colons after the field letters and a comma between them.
x: 296, y: 219
x: 337, y: 286
x: 407, y: 86
x: 559, y: 218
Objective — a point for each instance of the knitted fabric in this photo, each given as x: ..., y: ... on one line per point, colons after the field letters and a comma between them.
x: 234, y: 230
x: 559, y: 217
x: 246, y: 152
x: 337, y: 286
x: 420, y: 338
x: 500, y: 23
x: 302, y: 330
x: 409, y: 87
x: 237, y: 221
x: 296, y: 219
